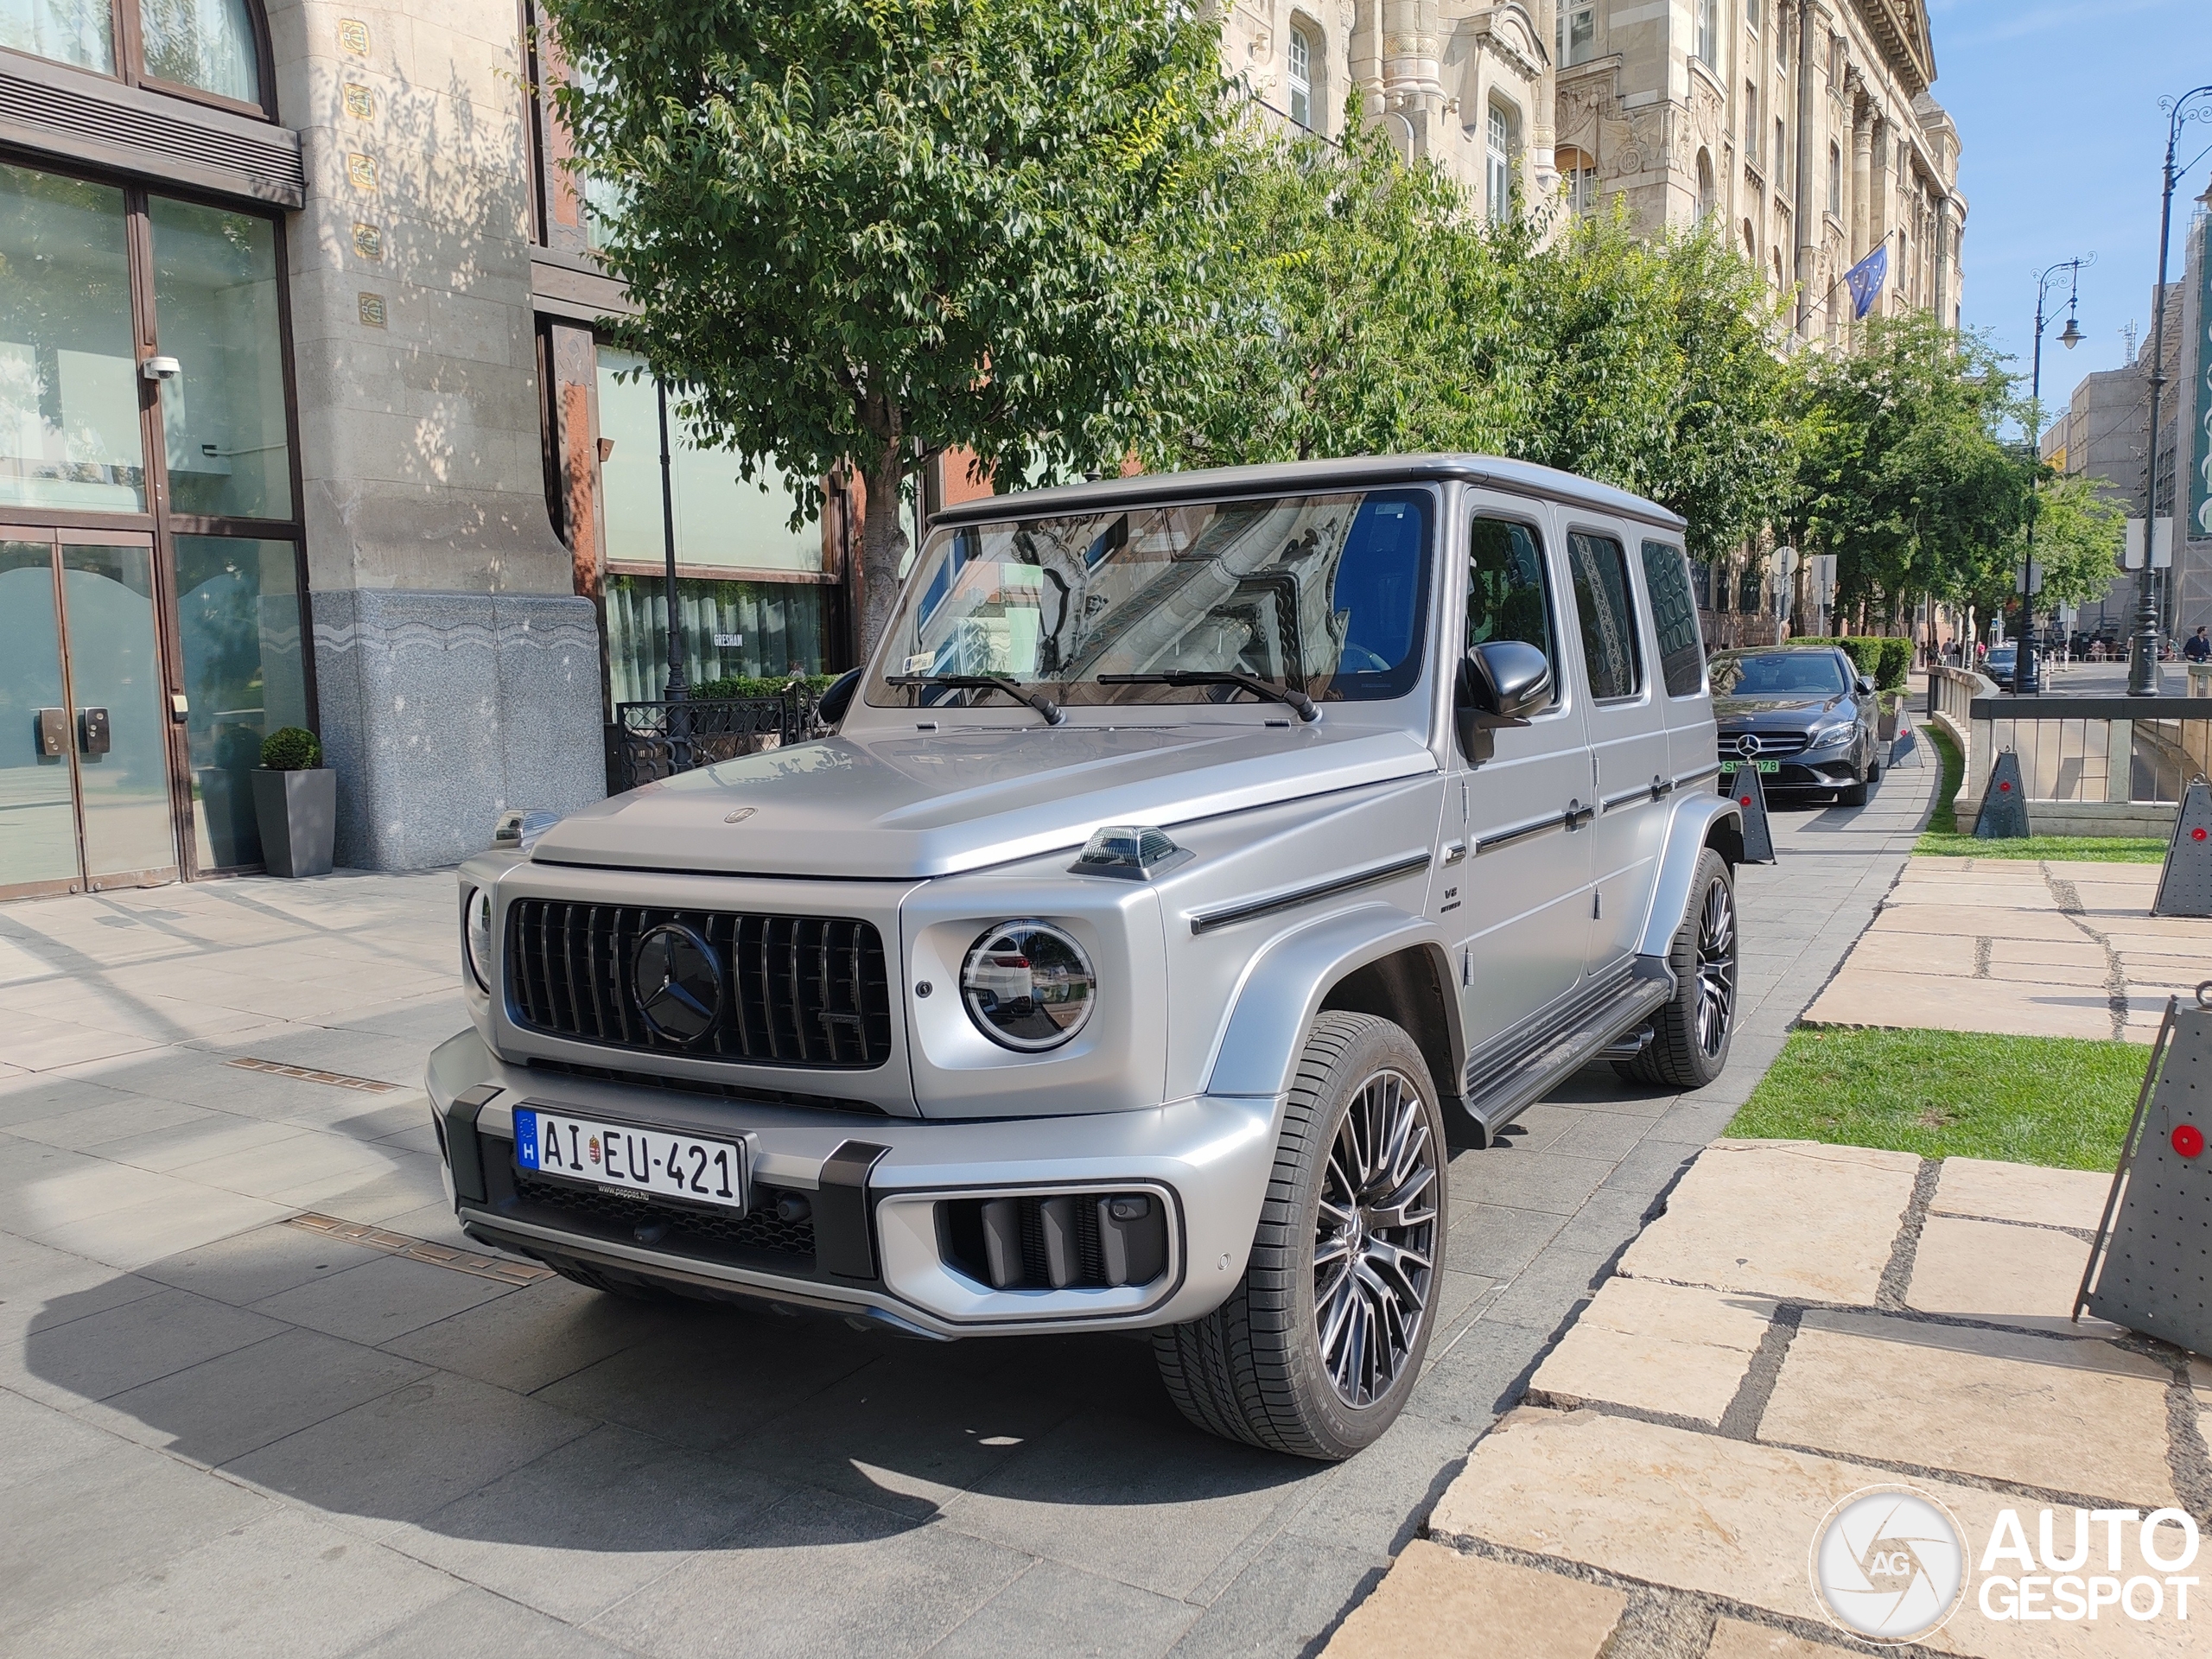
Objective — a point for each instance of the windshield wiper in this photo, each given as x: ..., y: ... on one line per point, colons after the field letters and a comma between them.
x: 1258, y: 687
x: 1037, y: 699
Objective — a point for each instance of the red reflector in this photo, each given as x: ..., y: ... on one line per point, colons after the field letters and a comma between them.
x: 2005, y: 789
x: 2188, y: 1140
x: 2196, y: 834
x: 1746, y: 801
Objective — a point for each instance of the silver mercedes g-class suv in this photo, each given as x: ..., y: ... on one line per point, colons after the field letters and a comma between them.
x: 1200, y: 857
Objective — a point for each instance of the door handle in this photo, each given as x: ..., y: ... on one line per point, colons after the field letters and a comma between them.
x: 92, y: 731
x: 53, y: 733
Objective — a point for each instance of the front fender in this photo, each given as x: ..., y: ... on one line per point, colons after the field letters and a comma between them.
x: 1689, y: 830
x: 1283, y: 989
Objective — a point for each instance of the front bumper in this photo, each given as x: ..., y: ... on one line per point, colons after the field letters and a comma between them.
x: 877, y: 1187
x: 1832, y: 767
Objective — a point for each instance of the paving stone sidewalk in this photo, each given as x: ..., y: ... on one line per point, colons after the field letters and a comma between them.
x: 1805, y: 1321
x: 2032, y: 949
x: 223, y: 1431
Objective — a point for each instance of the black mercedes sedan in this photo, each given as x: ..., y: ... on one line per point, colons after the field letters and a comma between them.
x: 1802, y: 715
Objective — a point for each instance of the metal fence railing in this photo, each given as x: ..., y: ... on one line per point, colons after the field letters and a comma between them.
x: 2090, y: 751
x: 650, y: 741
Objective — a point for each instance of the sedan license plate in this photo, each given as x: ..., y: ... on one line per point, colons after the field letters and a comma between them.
x: 1768, y: 765
x: 644, y: 1163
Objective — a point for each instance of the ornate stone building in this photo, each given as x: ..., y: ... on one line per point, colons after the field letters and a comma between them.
x: 1806, y: 125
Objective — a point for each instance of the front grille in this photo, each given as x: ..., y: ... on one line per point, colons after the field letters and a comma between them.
x: 705, y: 1233
x: 1771, y: 744
x: 797, y: 990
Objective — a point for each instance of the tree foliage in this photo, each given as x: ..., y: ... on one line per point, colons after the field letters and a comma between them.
x: 2078, y: 532
x: 1902, y: 473
x: 871, y: 229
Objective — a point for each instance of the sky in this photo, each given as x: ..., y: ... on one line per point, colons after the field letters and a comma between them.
x: 2061, y: 139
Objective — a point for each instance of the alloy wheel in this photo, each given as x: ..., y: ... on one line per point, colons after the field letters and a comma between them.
x: 1716, y: 967
x: 1375, y: 1240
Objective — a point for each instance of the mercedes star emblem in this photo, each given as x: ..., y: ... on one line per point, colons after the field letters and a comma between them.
x: 1747, y: 744
x: 679, y: 983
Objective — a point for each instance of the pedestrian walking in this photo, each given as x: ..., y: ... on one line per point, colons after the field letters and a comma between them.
x: 2199, y: 649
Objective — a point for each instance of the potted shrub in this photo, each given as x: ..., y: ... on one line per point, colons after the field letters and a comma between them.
x: 295, y: 803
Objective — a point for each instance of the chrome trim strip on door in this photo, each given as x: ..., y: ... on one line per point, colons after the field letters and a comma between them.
x: 1685, y: 779
x: 1528, y: 831
x: 1204, y: 921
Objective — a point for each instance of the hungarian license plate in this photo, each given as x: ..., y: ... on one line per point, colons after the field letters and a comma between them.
x: 641, y: 1163
x: 1759, y: 766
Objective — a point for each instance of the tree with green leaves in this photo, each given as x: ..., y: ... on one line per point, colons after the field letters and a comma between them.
x: 1902, y: 473
x: 865, y: 231
x: 2078, y: 532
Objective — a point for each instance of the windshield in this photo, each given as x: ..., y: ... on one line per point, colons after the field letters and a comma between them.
x: 1778, y: 674
x: 1323, y: 595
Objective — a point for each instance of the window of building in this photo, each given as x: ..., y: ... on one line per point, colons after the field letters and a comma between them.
x: 1705, y: 199
x: 1708, y: 34
x: 1610, y: 647
x: 1503, y: 132
x: 1577, y: 32
x: 1304, y: 51
x: 1781, y: 153
x: 1751, y: 244
x: 1577, y: 177
x: 1674, y: 618
x: 1751, y: 122
x: 1751, y: 15
x: 1835, y: 179
x: 1782, y: 39
x: 208, y: 47
x: 747, y: 623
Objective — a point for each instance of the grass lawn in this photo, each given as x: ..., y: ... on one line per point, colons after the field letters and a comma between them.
x: 2061, y: 1101
x: 1941, y: 838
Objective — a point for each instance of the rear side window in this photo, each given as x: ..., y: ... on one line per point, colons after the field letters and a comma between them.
x: 1508, y: 593
x: 1601, y: 598
x: 1673, y: 618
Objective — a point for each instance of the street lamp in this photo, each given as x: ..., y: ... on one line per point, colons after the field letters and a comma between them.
x: 2143, y: 652
x: 2024, y: 683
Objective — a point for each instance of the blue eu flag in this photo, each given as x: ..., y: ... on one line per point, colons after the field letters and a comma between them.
x: 1864, y: 279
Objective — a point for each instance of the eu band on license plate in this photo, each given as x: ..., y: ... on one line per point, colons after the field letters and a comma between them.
x: 643, y: 1162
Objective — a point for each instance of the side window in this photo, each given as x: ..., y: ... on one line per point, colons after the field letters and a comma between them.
x: 1601, y: 599
x: 1673, y: 618
x: 1509, y: 594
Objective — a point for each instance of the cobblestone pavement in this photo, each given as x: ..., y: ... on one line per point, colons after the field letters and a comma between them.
x: 1806, y: 1321
x: 2035, y: 948
x: 227, y: 1431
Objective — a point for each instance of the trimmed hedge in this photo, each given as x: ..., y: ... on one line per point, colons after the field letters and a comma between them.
x: 291, y: 748
x: 1885, y: 660
x: 747, y: 685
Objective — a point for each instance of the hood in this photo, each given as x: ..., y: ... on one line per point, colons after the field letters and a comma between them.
x: 1737, y: 713
x: 910, y: 805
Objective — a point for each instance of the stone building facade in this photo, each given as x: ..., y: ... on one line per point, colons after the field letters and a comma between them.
x: 307, y: 418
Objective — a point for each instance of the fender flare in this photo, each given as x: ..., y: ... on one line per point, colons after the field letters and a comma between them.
x: 1689, y: 832
x: 1282, y: 990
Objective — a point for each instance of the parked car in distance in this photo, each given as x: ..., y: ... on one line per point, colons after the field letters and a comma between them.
x: 1198, y: 858
x: 1997, y: 665
x: 1802, y: 715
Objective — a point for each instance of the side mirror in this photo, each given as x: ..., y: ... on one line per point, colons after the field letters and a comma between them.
x: 831, y: 710
x: 1501, y: 682
x: 1866, y: 685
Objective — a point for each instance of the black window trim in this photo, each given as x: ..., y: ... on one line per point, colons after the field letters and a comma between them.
x: 1639, y: 606
x: 1562, y: 703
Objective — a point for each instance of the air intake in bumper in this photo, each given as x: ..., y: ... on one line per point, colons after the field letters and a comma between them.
x: 1060, y: 1240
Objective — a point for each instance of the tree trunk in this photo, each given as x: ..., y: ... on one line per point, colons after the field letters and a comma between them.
x: 883, y: 543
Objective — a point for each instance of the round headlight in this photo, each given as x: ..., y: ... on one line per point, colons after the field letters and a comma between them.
x: 476, y: 935
x: 1027, y: 986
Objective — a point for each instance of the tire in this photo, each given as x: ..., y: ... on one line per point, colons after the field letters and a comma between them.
x: 1856, y: 794
x: 1259, y: 1368
x: 1690, y: 1037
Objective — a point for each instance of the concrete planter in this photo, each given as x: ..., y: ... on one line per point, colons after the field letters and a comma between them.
x: 297, y: 812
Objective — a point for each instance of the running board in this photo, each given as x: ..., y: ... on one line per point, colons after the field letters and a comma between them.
x: 1524, y: 1082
